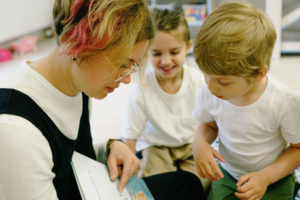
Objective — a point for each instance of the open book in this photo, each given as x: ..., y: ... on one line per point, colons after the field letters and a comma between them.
x: 94, y: 182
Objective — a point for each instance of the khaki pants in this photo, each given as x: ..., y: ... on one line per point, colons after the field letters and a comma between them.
x: 157, y: 160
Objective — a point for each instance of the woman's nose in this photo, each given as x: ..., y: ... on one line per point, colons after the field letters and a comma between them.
x: 126, y: 79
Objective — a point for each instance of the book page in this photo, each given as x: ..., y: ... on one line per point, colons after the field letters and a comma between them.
x: 93, y: 180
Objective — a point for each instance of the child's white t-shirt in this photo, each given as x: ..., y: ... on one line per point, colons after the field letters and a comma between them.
x: 253, y: 136
x: 156, y: 118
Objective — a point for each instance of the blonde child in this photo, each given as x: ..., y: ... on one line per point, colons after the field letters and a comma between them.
x: 254, y: 115
x: 158, y: 120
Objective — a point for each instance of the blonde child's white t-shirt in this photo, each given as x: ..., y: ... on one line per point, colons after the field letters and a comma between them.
x: 253, y: 136
x: 155, y: 118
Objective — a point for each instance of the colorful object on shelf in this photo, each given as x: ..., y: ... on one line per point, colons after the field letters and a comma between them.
x: 5, y: 55
x: 25, y: 44
x: 194, y: 13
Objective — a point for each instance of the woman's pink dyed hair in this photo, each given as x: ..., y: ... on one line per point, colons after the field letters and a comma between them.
x: 87, y: 27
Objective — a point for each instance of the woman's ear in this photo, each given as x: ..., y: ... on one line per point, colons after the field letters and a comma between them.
x: 189, y: 46
x: 263, y: 72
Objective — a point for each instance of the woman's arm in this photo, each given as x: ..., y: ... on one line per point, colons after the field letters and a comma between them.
x: 25, y: 161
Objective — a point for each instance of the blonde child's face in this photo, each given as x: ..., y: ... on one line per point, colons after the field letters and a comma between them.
x: 167, y: 54
x: 228, y: 87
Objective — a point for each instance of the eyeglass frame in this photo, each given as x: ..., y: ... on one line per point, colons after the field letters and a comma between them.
x: 134, y: 68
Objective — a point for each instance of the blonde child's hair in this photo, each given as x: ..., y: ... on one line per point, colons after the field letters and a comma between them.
x: 235, y: 39
x: 85, y: 28
x: 171, y: 21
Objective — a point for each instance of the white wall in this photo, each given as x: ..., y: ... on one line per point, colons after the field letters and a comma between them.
x: 22, y: 17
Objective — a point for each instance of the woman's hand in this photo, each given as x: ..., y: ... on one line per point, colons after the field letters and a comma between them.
x: 122, y: 162
x: 204, y: 158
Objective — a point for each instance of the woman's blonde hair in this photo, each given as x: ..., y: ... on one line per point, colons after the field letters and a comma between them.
x: 86, y: 28
x: 235, y: 39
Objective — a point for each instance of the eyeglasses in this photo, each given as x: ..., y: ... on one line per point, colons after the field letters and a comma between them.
x: 134, y: 68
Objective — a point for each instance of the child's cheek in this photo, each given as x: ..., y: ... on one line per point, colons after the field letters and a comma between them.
x: 153, y: 61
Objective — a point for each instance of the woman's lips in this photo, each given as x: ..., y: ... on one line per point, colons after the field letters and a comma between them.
x: 110, y: 89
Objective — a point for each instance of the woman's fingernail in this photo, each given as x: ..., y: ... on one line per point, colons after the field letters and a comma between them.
x: 112, y: 176
x: 121, y: 189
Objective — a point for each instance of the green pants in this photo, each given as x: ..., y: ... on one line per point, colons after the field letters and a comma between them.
x: 225, y: 188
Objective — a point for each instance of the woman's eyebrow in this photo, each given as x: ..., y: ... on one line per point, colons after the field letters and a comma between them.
x: 134, y: 61
x: 131, y: 60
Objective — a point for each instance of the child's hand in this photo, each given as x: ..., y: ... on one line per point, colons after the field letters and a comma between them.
x: 252, y: 186
x: 206, y: 165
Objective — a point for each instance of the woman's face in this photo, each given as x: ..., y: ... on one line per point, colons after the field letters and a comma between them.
x: 95, y: 77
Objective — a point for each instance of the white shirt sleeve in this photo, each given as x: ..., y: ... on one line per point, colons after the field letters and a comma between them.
x: 200, y: 111
x: 25, y: 162
x: 135, y: 115
x: 290, y: 126
x: 101, y: 153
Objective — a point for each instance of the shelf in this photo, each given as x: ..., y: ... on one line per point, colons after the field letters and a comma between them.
x: 290, y: 47
x: 195, y: 24
x: 290, y: 18
x: 287, y: 21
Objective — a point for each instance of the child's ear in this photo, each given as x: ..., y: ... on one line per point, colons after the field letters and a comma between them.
x: 188, y: 47
x: 263, y: 72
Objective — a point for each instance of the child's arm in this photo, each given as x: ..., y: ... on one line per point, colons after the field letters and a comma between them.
x: 131, y: 144
x: 204, y: 154
x: 257, y: 182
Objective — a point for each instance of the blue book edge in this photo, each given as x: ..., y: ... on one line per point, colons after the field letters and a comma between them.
x: 137, y: 187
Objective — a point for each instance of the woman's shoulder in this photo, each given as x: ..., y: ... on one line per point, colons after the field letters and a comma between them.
x: 23, y: 146
x: 19, y: 137
x: 13, y: 126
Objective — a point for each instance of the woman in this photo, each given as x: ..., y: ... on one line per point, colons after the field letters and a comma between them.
x: 44, y: 108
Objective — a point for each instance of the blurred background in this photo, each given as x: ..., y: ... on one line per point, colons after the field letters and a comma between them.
x: 26, y: 32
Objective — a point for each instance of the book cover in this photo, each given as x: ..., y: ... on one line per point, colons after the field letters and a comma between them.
x: 93, y: 180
